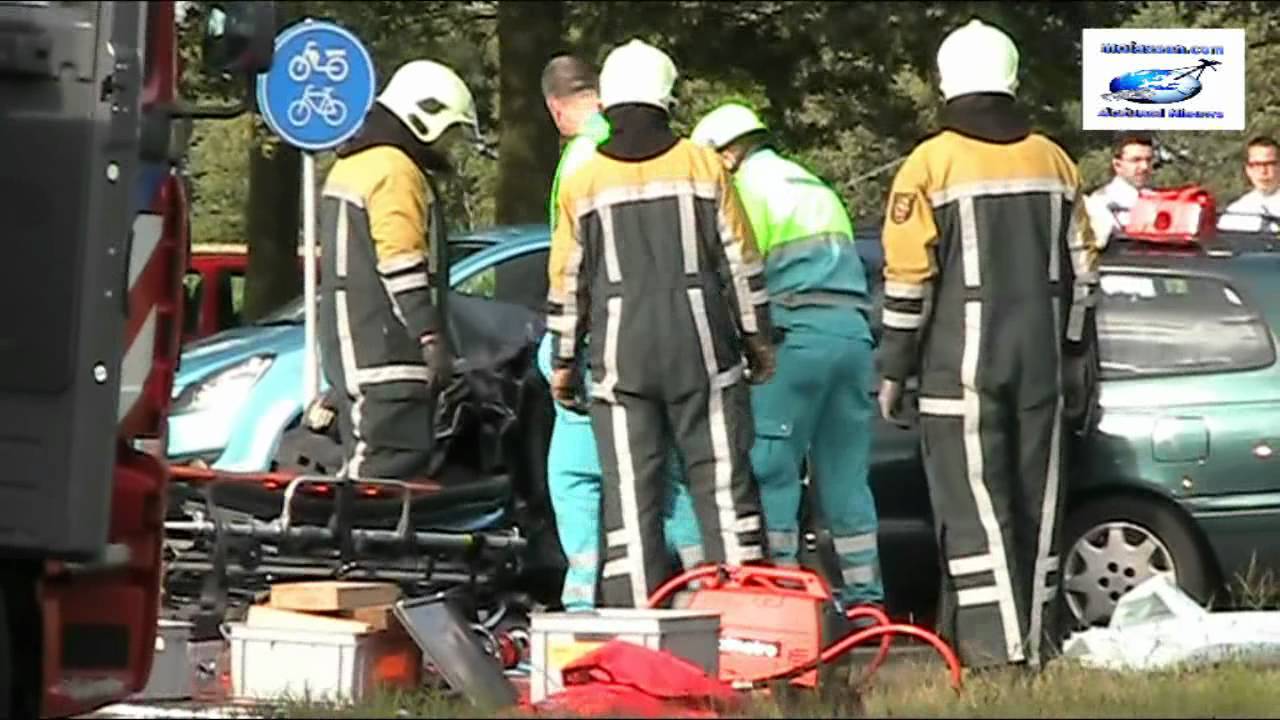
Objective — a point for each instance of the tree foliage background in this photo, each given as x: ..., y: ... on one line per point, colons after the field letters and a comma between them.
x: 848, y: 88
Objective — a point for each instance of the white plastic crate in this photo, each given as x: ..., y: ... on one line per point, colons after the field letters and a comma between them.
x: 560, y: 638
x: 273, y: 663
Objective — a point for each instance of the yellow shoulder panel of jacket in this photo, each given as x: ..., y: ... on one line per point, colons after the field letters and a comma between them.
x: 950, y: 166
x: 909, y: 231
x: 395, y: 196
x: 602, y: 181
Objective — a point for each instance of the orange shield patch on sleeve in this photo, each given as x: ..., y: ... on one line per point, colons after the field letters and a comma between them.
x: 902, y: 206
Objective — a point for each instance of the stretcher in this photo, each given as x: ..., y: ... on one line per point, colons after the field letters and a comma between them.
x: 230, y: 536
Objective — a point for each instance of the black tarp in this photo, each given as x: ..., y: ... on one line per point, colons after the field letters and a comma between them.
x: 493, y: 432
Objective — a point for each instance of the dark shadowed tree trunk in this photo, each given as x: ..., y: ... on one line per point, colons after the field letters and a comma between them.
x: 527, y: 34
x: 273, y: 220
x: 273, y: 217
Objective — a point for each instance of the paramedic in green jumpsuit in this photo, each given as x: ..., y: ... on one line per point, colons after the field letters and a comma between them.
x: 819, y: 403
x: 573, y: 466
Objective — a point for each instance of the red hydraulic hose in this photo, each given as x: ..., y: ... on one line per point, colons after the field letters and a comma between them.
x: 856, y: 638
x: 881, y: 618
x: 671, y: 586
x: 883, y: 629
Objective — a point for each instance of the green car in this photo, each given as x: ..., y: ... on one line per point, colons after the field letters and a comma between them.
x: 1183, y: 474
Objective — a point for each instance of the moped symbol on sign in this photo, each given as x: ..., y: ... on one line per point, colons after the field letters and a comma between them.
x: 316, y: 95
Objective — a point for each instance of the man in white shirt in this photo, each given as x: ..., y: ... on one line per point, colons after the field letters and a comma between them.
x: 1132, y: 160
x: 1259, y: 209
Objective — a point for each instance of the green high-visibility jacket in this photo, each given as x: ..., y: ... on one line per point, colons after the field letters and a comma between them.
x: 580, y: 149
x: 812, y: 268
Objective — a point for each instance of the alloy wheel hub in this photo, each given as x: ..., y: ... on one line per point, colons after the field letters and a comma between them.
x: 1108, y: 561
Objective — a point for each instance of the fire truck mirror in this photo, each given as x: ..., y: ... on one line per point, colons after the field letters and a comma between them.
x: 239, y: 38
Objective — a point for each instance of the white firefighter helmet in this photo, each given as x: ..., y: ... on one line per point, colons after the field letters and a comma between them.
x: 429, y: 98
x: 726, y: 124
x: 977, y: 58
x: 637, y: 73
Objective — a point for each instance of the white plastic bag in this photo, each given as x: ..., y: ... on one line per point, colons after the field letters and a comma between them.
x: 1156, y: 626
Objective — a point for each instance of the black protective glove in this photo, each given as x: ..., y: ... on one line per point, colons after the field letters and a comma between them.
x: 566, y: 389
x: 439, y: 361
x: 762, y: 359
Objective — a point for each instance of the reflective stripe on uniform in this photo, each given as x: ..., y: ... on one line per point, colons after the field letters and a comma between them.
x: 970, y: 565
x: 577, y: 596
x: 691, y: 556
x: 786, y: 249
x: 618, y: 538
x: 784, y: 542
x: 627, y: 493
x: 604, y: 388
x: 404, y: 284
x: 859, y: 574
x: 903, y: 291
x: 584, y: 561
x: 719, y: 435
x: 1048, y: 518
x: 985, y: 188
x: 644, y: 193
x: 901, y: 320
x: 977, y: 483
x: 619, y: 566
x: 947, y: 407
x: 356, y: 463
x: 689, y: 234
x: 392, y: 373
x: 855, y: 544
x: 984, y: 595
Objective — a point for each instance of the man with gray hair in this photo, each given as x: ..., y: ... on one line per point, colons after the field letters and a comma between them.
x: 574, y: 475
x: 570, y: 87
x: 647, y: 231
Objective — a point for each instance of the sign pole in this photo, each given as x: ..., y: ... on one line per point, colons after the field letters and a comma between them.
x: 315, y: 97
x: 310, y: 377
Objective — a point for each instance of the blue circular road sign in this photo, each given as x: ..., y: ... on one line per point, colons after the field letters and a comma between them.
x: 319, y: 87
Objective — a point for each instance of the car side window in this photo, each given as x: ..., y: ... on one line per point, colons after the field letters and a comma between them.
x: 193, y: 287
x: 230, y: 299
x: 520, y: 280
x: 1156, y: 324
x: 459, y: 250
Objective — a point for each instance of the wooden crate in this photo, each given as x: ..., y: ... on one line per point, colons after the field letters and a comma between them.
x: 332, y: 596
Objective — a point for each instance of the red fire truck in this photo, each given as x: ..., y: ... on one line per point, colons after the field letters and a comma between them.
x: 95, y: 222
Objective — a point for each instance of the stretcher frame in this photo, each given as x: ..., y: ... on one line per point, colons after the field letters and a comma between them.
x: 239, y: 557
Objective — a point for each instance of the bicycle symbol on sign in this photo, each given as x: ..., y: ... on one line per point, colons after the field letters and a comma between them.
x: 308, y: 61
x: 319, y: 101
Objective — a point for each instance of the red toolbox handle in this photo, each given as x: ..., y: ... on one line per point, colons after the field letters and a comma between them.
x: 811, y: 584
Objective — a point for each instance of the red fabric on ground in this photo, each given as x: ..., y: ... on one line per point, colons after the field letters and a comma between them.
x: 626, y: 680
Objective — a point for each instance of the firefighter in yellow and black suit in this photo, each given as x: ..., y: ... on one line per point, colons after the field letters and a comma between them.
x: 645, y: 229
x: 990, y: 268
x: 381, y: 339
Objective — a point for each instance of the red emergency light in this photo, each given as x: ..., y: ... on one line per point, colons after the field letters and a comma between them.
x: 1180, y: 216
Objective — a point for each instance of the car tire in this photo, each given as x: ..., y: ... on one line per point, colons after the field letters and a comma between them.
x: 1112, y: 544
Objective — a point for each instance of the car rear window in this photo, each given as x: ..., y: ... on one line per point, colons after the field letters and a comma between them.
x: 1155, y: 324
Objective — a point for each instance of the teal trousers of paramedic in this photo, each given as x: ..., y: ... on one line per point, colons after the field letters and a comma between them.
x: 574, y: 479
x: 819, y: 405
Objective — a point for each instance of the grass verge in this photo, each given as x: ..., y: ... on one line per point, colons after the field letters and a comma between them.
x: 919, y: 690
